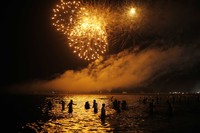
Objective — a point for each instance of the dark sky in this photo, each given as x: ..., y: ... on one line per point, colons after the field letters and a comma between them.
x: 30, y: 46
x: 32, y: 49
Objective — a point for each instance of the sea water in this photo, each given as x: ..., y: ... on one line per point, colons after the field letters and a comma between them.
x: 30, y: 113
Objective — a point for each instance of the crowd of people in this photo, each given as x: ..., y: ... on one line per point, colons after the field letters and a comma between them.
x: 152, y: 103
x: 117, y: 105
x: 168, y: 103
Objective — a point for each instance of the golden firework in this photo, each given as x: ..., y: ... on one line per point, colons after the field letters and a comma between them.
x: 85, y: 24
x: 88, y: 37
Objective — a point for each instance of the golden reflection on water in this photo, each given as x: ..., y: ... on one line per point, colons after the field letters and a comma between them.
x: 81, y: 120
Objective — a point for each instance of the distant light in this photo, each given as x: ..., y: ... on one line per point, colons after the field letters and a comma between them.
x: 132, y: 11
x: 124, y: 92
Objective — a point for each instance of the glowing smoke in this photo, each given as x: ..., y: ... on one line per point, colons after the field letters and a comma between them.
x: 124, y: 70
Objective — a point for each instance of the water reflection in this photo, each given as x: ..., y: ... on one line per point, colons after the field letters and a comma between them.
x: 57, y: 119
x: 135, y: 117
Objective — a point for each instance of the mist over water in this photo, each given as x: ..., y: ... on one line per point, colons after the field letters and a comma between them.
x: 126, y: 69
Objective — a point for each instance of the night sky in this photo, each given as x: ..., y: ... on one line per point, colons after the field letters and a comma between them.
x: 31, y: 47
x: 32, y: 50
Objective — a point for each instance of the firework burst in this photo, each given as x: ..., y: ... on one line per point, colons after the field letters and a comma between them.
x: 89, y: 37
x: 85, y: 24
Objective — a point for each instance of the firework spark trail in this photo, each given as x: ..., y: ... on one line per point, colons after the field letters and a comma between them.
x: 65, y: 15
x: 128, y: 23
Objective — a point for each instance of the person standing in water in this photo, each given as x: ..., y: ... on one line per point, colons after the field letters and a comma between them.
x: 95, y: 106
x: 63, y: 105
x: 103, y: 112
x: 87, y: 105
x: 70, y: 106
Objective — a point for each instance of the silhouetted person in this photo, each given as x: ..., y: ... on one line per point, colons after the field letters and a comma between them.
x: 49, y: 105
x: 140, y: 100
x: 95, y: 106
x: 87, y: 105
x: 144, y: 101
x: 151, y: 107
x: 157, y: 100
x: 103, y: 112
x: 124, y: 105
x: 63, y: 105
x: 118, y: 108
x: 111, y: 99
x: 70, y: 106
x: 170, y: 108
x: 115, y: 102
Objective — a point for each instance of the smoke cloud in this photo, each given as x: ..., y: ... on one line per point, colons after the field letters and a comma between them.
x: 127, y: 70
